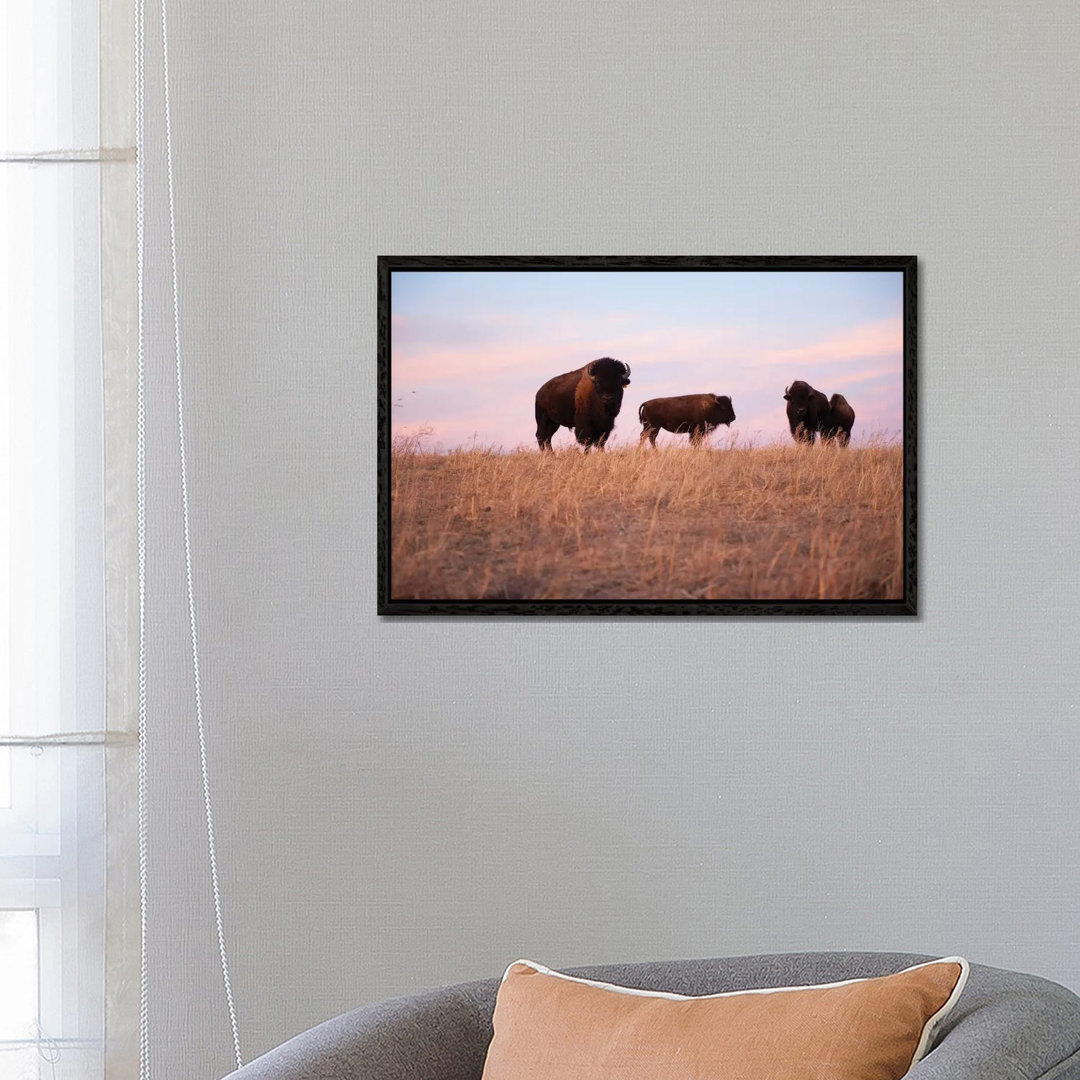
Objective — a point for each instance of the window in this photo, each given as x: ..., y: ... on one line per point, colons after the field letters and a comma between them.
x: 52, y: 578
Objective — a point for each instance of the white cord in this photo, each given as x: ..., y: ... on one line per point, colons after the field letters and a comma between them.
x: 143, y: 830
x: 211, y: 848
x: 140, y: 214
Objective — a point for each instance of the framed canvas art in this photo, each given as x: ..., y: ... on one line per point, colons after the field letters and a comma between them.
x: 656, y: 436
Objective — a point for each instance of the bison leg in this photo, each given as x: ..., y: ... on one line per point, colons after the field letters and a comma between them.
x: 545, y: 429
x: 650, y: 433
x: 697, y: 434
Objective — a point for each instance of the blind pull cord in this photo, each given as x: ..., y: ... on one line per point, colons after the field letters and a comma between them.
x: 140, y: 26
x: 140, y: 455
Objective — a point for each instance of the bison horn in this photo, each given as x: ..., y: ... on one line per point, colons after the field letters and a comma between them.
x: 627, y: 366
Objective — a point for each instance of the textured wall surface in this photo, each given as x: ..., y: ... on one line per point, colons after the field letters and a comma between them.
x: 402, y: 804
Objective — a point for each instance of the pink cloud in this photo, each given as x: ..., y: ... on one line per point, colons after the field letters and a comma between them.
x: 871, y: 340
x: 567, y: 344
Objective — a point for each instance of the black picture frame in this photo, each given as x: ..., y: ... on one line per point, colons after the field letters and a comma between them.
x: 903, y: 606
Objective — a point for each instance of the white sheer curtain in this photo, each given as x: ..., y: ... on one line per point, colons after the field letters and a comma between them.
x: 60, y: 246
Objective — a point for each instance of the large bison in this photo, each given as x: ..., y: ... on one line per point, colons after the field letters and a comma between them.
x: 805, y: 409
x: 586, y: 400
x: 693, y: 414
x: 838, y: 420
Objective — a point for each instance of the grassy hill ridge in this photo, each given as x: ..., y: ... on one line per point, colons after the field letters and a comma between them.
x: 770, y: 523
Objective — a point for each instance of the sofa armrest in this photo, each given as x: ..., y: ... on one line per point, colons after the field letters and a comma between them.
x: 440, y: 1034
x: 1007, y: 1026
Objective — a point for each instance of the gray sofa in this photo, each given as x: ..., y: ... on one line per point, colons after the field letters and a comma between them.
x: 1006, y: 1026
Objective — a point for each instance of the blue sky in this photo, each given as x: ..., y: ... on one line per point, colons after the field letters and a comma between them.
x: 469, y: 349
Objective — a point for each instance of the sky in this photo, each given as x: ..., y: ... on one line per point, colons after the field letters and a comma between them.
x: 469, y: 349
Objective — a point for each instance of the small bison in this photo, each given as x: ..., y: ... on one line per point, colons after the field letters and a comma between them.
x: 805, y: 409
x: 838, y: 420
x: 586, y: 400
x: 693, y: 414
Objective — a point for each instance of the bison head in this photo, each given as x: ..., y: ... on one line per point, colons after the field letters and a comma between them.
x: 722, y: 412
x: 797, y: 395
x: 609, y: 376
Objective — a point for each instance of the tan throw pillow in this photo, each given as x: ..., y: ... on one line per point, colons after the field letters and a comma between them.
x: 550, y: 1026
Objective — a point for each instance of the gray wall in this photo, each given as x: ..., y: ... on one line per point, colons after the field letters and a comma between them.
x: 402, y: 804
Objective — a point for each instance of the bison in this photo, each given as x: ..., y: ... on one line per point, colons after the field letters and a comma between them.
x: 805, y: 409
x: 693, y: 414
x: 586, y: 400
x: 838, y: 420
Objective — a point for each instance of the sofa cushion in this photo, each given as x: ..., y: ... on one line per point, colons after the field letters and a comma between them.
x: 552, y: 1026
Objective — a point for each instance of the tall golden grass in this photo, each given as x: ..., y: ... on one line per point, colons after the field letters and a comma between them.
x: 742, y: 523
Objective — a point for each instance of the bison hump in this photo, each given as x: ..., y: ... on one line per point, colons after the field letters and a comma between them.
x: 584, y: 391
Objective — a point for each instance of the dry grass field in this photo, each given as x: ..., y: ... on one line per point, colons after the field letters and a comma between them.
x: 770, y: 523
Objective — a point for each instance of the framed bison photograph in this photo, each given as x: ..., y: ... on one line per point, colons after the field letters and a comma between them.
x: 657, y: 436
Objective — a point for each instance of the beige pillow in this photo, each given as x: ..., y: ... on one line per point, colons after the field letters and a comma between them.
x: 550, y: 1026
